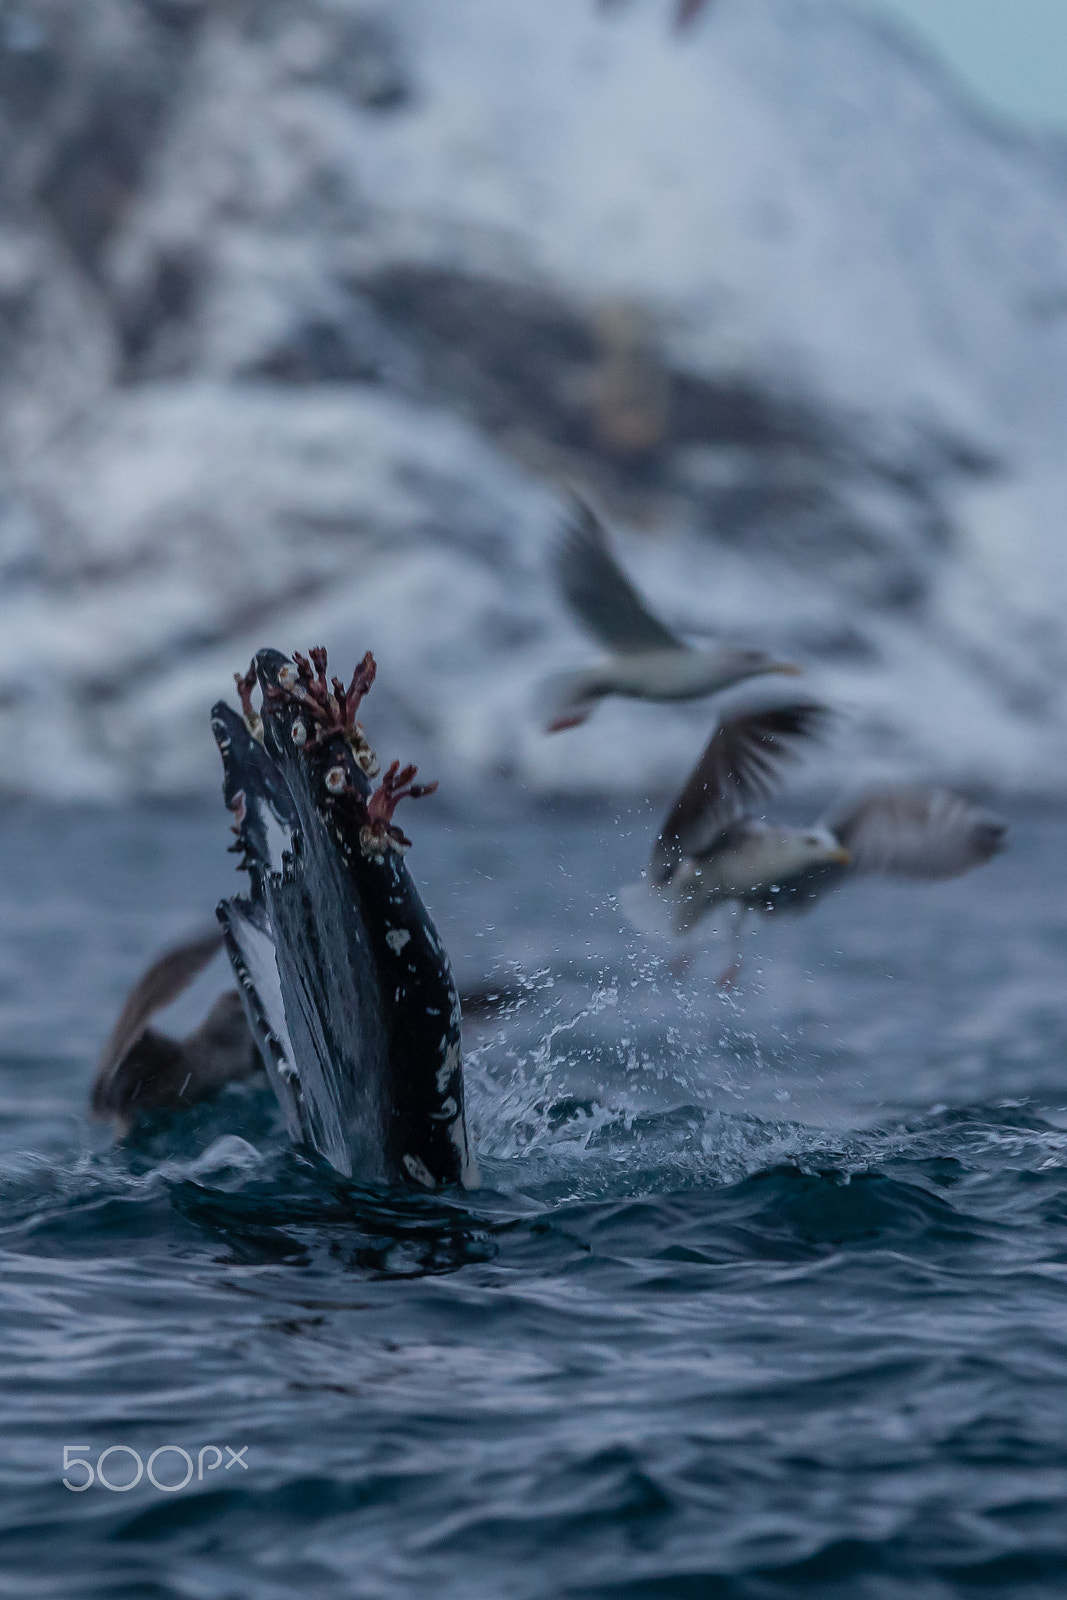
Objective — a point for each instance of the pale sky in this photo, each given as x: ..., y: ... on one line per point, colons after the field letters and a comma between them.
x: 1011, y: 54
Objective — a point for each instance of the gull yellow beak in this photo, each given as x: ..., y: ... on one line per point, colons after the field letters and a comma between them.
x: 842, y: 857
x: 788, y: 669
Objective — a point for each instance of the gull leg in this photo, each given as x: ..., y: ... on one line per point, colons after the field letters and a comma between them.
x: 728, y: 979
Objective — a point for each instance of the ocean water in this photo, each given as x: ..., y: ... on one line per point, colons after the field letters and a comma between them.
x: 765, y: 1294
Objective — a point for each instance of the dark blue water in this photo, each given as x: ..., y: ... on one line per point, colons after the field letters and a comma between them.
x: 764, y: 1297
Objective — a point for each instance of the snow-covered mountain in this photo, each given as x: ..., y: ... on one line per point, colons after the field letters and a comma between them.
x: 309, y: 315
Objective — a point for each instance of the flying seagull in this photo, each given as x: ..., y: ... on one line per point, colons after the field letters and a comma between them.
x: 646, y: 661
x: 712, y: 851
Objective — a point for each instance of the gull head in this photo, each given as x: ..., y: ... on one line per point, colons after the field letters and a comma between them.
x: 798, y: 850
x: 824, y: 848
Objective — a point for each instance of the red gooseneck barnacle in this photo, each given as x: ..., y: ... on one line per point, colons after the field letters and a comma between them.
x: 327, y: 704
x: 330, y: 706
x: 380, y: 829
x: 351, y: 698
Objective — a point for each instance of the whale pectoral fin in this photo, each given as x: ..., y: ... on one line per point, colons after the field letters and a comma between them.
x: 250, y: 946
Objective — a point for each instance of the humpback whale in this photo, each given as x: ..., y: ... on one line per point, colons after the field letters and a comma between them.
x: 343, y: 977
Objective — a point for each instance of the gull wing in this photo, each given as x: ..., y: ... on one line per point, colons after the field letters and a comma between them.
x: 918, y: 833
x: 159, y: 1073
x: 599, y: 592
x: 740, y: 764
x: 164, y: 981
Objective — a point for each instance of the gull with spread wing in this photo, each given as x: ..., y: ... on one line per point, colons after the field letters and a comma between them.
x: 647, y: 661
x: 713, y: 851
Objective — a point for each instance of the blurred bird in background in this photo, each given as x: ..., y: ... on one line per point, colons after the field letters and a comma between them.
x: 712, y: 851
x: 142, y: 1070
x: 647, y: 660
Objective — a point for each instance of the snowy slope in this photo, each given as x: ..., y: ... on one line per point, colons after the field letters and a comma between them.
x: 384, y: 278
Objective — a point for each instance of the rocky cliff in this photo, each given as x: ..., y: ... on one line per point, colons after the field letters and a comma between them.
x: 309, y: 315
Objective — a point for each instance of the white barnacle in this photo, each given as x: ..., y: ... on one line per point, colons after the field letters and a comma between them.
x: 373, y: 845
x: 299, y: 733
x: 288, y: 676
x: 420, y: 1172
x: 357, y: 743
x: 449, y: 1109
x: 335, y: 780
x: 397, y: 938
